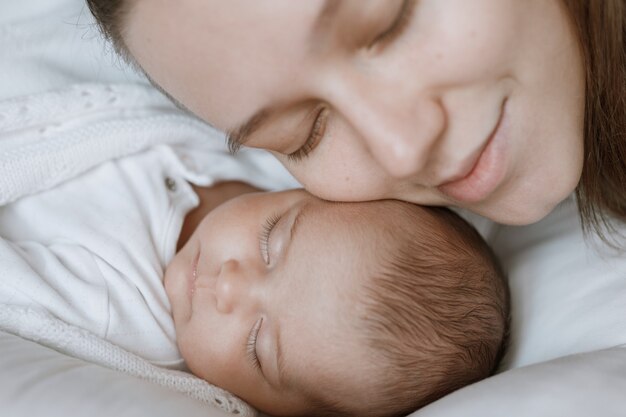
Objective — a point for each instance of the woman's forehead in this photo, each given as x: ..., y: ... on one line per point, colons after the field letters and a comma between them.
x: 223, y: 60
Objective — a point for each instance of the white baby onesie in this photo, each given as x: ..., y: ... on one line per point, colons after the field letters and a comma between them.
x: 97, y: 245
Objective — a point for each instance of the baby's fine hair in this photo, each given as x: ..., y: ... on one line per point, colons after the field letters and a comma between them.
x: 436, y: 313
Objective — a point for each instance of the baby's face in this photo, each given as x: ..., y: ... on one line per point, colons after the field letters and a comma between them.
x: 264, y: 298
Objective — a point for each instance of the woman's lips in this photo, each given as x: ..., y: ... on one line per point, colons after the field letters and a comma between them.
x: 488, y: 170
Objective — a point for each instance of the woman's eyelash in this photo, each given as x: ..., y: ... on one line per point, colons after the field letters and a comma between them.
x: 264, y: 238
x: 251, y: 344
x: 400, y: 23
x: 398, y: 26
x: 315, y: 136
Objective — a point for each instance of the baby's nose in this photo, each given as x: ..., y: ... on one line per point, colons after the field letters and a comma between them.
x: 234, y: 287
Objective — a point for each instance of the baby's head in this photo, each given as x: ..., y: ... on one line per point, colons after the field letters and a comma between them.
x: 305, y: 307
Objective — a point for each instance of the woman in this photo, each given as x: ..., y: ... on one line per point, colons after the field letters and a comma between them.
x: 502, y: 107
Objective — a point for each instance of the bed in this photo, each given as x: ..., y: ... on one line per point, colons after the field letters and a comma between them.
x: 567, y: 353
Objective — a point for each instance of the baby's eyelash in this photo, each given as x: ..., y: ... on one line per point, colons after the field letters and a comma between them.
x: 264, y: 237
x: 251, y: 352
x: 251, y: 344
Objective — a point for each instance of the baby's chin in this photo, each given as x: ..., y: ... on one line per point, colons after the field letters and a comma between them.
x: 175, y: 283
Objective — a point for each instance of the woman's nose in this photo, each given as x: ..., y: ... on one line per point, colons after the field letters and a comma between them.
x: 398, y: 128
x: 401, y: 139
x: 235, y: 286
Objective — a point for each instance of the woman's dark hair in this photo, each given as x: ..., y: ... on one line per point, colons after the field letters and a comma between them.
x: 601, y: 27
x: 111, y: 17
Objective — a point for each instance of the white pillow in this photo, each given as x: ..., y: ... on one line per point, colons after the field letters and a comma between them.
x: 568, y: 293
x: 38, y: 381
x: 584, y: 385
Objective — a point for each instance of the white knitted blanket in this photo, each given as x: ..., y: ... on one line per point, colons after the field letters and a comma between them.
x: 48, y: 138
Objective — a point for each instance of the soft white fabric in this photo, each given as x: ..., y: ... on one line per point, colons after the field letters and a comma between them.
x: 96, y: 247
x: 46, y: 330
x: 583, y: 385
x: 61, y: 142
x: 53, y: 136
x: 53, y: 44
x: 38, y: 381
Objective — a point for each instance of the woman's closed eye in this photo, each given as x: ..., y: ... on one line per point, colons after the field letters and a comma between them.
x: 389, y: 34
x: 265, y: 235
x: 316, y: 135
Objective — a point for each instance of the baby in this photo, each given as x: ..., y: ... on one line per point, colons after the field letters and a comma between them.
x: 305, y: 307
x: 297, y: 305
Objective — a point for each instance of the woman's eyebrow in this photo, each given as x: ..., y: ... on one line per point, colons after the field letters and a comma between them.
x: 237, y: 137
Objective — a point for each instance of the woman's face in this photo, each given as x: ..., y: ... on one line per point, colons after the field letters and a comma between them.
x: 477, y: 104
